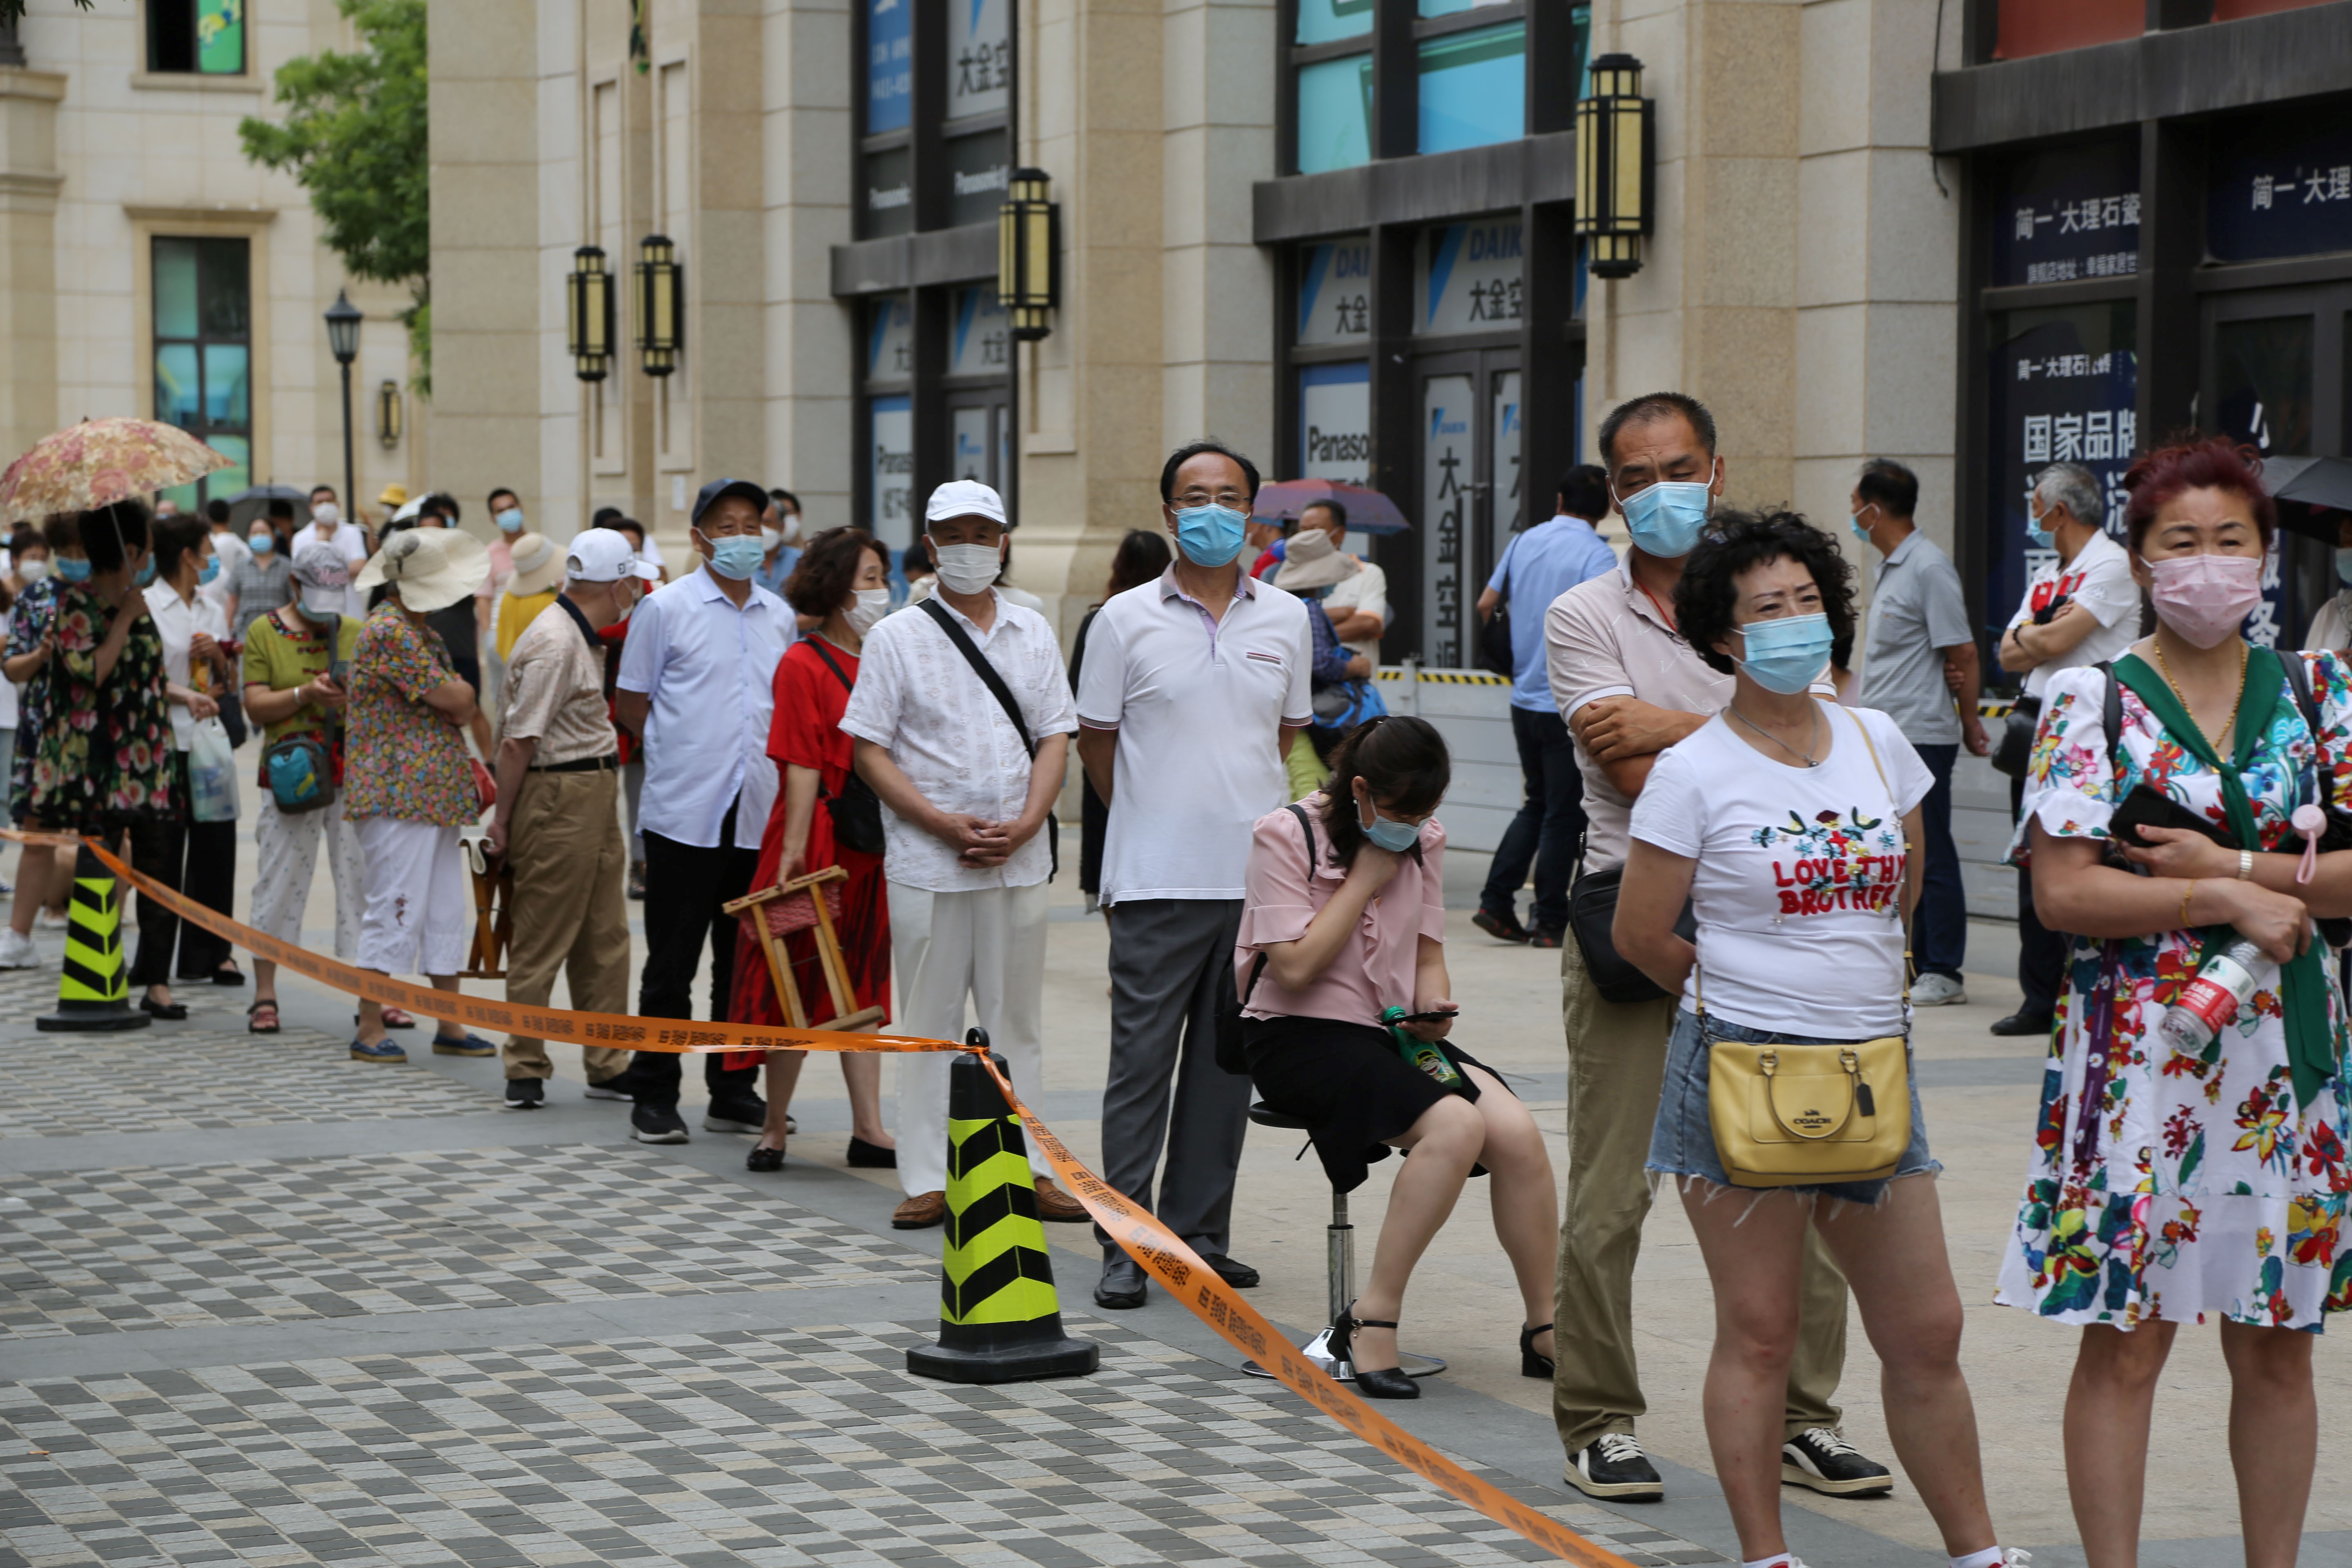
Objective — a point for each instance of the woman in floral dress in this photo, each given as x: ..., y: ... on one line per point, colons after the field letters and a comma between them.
x: 27, y: 659
x: 2168, y: 1183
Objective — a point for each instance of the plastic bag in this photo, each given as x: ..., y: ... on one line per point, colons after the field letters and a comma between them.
x: 212, y: 773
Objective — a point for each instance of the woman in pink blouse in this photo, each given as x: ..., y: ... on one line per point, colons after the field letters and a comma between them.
x: 1344, y: 918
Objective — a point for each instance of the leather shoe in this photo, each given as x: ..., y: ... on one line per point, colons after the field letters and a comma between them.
x: 2022, y: 1023
x: 1122, y: 1288
x: 1056, y: 1206
x: 1240, y: 1275
x: 920, y: 1212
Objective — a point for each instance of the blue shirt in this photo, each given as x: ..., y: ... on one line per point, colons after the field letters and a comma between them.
x: 1538, y: 567
x: 788, y: 557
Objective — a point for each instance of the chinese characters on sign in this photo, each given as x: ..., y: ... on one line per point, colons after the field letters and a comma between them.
x: 982, y: 337
x: 2087, y: 217
x: 1469, y: 278
x: 979, y: 57
x: 1446, y: 474
x: 1335, y: 291
x: 2279, y: 185
x: 2069, y: 213
x: 890, y: 339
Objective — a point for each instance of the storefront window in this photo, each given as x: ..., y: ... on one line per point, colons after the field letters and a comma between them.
x: 980, y: 56
x: 202, y: 330
x: 978, y: 173
x: 2279, y: 184
x: 982, y: 334
x: 2262, y: 383
x: 1446, y: 469
x: 1335, y: 291
x: 889, y: 65
x: 1327, y: 21
x: 890, y: 339
x: 1335, y: 422
x: 1335, y: 114
x: 891, y: 481
x: 1469, y: 277
x: 2038, y: 27
x: 203, y: 37
x: 2065, y: 213
x: 1474, y: 88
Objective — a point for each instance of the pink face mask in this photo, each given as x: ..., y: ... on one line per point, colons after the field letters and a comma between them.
x: 2206, y: 598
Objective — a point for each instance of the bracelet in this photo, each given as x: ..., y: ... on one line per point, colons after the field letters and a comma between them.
x: 2245, y: 864
x: 2184, y: 903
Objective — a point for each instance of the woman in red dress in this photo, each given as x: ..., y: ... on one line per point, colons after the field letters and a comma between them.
x: 843, y: 579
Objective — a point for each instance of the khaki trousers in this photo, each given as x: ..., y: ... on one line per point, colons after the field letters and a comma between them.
x: 1616, y: 1067
x: 571, y: 877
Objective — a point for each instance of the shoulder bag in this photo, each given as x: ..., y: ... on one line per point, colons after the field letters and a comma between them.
x: 299, y: 769
x: 1230, y: 1055
x: 1495, y: 636
x: 1807, y: 1114
x: 1591, y: 919
x: 1003, y: 695
x: 856, y: 811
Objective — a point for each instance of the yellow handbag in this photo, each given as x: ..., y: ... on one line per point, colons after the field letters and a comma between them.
x: 1805, y: 1114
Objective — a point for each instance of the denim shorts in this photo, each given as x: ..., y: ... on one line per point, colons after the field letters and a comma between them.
x: 1682, y: 1143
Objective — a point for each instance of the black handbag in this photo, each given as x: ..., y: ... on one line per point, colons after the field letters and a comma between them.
x: 1592, y: 914
x: 2015, y: 747
x: 1493, y: 653
x: 1003, y: 695
x: 1230, y: 1055
x: 856, y: 811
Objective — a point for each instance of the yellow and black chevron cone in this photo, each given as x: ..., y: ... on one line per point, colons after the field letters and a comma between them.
x: 94, y: 981
x: 1000, y: 1320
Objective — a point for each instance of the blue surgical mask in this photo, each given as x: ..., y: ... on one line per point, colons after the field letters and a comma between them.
x: 263, y: 543
x: 735, y: 557
x: 1210, y: 535
x: 73, y: 569
x: 1788, y: 655
x: 211, y: 571
x: 2344, y: 566
x: 1664, y: 520
x: 1861, y: 531
x: 1396, y: 837
x: 145, y: 574
x: 510, y: 521
x: 2043, y: 538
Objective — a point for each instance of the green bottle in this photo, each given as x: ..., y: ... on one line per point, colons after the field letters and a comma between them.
x: 1422, y: 1056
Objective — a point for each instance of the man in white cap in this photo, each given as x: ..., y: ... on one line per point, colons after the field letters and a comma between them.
x: 557, y: 817
x: 961, y: 718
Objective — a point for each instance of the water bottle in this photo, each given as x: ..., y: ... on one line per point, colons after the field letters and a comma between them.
x: 2211, y: 1000
x: 1422, y: 1055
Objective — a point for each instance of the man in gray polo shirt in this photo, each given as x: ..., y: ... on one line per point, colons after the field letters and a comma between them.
x: 1920, y: 656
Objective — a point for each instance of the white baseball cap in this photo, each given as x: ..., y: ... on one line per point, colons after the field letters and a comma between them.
x: 605, y: 555
x: 965, y: 497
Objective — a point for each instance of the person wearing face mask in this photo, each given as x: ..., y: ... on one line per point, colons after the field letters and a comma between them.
x: 557, y: 821
x: 1344, y: 920
x: 1791, y: 826
x: 2331, y: 628
x: 202, y: 864
x: 2180, y: 1174
x: 841, y: 586
x: 1629, y: 686
x: 1142, y: 555
x: 1196, y: 685
x: 962, y: 720
x: 538, y: 572
x: 780, y: 530
x: 698, y: 687
x: 328, y: 526
x: 2080, y: 608
x: 29, y: 660
x: 261, y: 579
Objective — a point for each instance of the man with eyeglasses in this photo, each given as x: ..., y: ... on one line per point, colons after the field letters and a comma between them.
x: 1630, y: 686
x: 1193, y: 686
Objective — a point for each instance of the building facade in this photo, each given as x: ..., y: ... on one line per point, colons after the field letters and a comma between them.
x: 147, y: 269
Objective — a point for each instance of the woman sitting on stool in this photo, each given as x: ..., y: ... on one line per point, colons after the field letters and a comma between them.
x: 1330, y: 946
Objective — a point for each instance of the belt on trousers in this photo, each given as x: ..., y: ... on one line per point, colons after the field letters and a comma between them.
x: 581, y: 765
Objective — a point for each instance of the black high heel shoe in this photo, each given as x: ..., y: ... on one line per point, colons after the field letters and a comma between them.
x: 1372, y: 1383
x: 764, y: 1159
x: 1530, y: 1363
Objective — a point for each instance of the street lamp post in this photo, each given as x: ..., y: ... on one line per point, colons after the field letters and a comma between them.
x: 344, y: 319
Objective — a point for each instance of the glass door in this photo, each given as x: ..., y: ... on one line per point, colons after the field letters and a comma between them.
x: 1470, y: 495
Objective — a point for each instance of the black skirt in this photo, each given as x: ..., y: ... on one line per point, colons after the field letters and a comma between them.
x: 1350, y: 1084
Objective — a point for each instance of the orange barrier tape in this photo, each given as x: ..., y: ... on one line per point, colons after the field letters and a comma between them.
x: 619, y: 1031
x: 1196, y: 1285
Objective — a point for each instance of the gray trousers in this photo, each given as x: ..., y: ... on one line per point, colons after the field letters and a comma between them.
x: 1170, y: 962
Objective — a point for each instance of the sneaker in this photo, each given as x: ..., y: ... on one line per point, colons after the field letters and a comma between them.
x: 1821, y: 1458
x: 1503, y: 925
x: 1938, y: 991
x: 525, y: 1094
x: 381, y: 1052
x: 1614, y: 1466
x: 18, y: 952
x: 736, y: 1115
x: 1547, y: 936
x: 657, y: 1124
x: 618, y: 1087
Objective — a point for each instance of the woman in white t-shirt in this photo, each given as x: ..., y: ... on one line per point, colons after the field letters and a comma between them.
x: 1787, y: 823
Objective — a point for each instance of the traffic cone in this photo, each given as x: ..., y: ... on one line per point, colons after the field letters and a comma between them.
x: 1000, y: 1320
x: 94, y: 982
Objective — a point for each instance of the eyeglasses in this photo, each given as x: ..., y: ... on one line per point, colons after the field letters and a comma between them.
x: 1233, y: 500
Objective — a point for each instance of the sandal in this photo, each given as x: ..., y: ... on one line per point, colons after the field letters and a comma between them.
x: 229, y: 974
x: 394, y: 1018
x: 253, y: 1023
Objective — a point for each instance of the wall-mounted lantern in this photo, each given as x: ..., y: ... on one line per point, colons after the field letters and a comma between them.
x: 388, y: 412
x: 589, y: 289
x: 661, y: 305
x: 1614, y: 178
x: 1028, y: 253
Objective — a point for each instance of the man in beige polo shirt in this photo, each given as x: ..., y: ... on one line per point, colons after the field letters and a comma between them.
x: 1629, y: 688
x: 558, y: 818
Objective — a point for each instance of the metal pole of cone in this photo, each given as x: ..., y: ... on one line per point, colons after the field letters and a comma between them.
x: 94, y: 981
x: 999, y: 1320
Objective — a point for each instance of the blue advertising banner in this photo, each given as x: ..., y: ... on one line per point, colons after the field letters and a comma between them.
x: 889, y: 65
x: 2069, y: 213
x: 2279, y: 184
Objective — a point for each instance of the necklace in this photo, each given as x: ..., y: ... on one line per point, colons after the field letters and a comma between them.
x: 1810, y: 761
x: 2229, y: 724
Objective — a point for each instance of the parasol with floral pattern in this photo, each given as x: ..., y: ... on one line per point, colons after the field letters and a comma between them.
x: 102, y: 460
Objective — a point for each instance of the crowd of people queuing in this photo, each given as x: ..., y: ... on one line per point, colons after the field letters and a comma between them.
x: 1742, y: 853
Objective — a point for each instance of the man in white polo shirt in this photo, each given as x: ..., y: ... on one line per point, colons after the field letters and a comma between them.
x: 967, y: 784
x: 1193, y: 687
x: 696, y: 685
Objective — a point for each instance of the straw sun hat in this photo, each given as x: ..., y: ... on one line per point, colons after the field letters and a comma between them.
x: 432, y: 567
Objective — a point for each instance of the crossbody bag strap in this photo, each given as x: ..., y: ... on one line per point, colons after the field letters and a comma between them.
x: 817, y: 645
x: 1306, y: 826
x: 984, y: 669
x: 1909, y: 849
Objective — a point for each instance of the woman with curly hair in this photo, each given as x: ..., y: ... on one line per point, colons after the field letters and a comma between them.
x: 2179, y: 1171
x: 1789, y: 824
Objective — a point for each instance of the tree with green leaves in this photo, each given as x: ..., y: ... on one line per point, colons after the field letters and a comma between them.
x: 355, y: 136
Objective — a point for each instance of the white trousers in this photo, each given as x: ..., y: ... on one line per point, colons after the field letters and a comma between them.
x: 287, y: 853
x: 988, y: 944
x: 418, y: 900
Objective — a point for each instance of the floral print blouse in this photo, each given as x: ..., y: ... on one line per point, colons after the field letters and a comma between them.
x: 2165, y: 1184
x: 402, y: 758
x: 104, y: 750
x: 28, y: 622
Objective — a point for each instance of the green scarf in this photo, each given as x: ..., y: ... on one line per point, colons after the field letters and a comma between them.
x: 2310, y: 1041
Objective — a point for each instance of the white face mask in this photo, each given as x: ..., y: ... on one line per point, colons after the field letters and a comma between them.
x: 791, y: 526
x: 770, y: 539
x: 872, y: 605
x: 33, y: 571
x: 326, y: 514
x: 969, y: 568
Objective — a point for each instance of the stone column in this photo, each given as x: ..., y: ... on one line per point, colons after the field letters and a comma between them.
x: 30, y: 180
